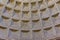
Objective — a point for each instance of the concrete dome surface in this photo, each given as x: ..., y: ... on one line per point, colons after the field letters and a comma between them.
x: 29, y: 19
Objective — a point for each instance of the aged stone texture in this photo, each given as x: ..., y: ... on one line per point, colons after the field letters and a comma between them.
x: 29, y: 19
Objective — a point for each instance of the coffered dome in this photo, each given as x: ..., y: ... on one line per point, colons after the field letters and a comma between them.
x: 29, y: 19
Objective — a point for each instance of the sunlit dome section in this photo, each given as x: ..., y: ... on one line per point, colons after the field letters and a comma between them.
x: 29, y: 19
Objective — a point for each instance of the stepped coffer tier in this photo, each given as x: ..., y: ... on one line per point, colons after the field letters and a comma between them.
x: 29, y: 19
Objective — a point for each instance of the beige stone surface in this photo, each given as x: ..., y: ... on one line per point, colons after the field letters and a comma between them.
x: 29, y: 19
